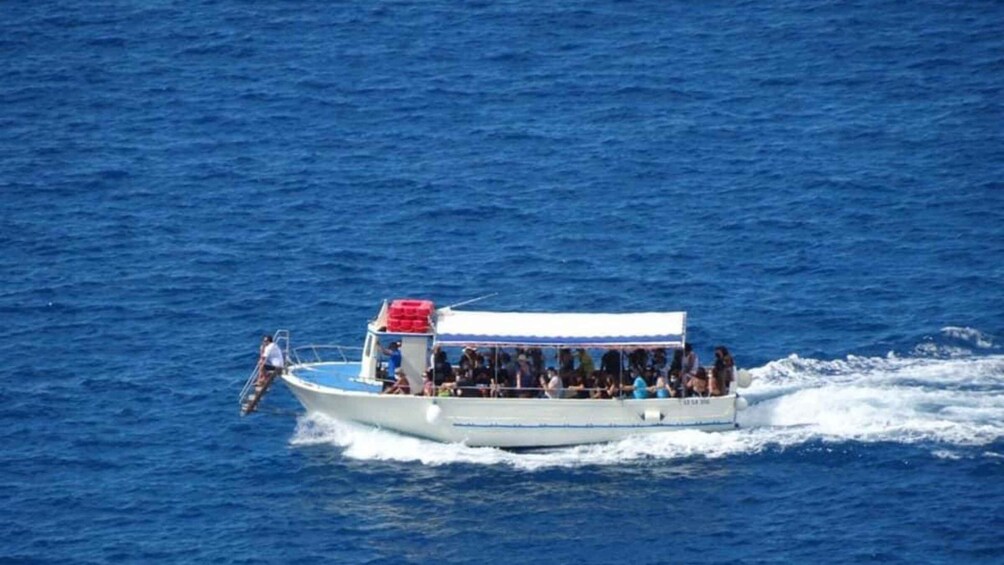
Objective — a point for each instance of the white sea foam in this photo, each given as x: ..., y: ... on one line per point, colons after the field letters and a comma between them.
x: 971, y: 335
x: 966, y: 339
x: 951, y: 404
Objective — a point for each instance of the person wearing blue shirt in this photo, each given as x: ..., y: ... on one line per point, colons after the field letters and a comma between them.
x: 393, y: 353
x: 640, y: 387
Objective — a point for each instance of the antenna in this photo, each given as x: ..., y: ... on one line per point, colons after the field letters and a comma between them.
x: 471, y: 301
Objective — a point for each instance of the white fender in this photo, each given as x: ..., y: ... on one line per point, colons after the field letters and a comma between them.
x: 652, y: 416
x: 744, y: 378
x: 432, y: 414
x: 741, y: 403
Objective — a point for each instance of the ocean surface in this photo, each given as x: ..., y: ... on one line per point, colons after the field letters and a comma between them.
x: 819, y: 184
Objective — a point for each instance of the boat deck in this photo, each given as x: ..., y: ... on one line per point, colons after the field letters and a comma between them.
x: 343, y: 376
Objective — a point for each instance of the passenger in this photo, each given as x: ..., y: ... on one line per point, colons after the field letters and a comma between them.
x: 536, y: 359
x: 638, y: 360
x: 650, y: 377
x: 483, y: 382
x: 659, y: 359
x: 524, y: 377
x: 690, y: 363
x: 713, y: 389
x: 440, y: 361
x: 465, y: 385
x: 489, y: 359
x: 428, y: 386
x: 510, y: 365
x: 270, y: 360
x: 495, y: 389
x: 393, y: 353
x: 586, y: 364
x: 551, y: 383
x: 502, y: 379
x: 639, y: 387
x: 595, y: 383
x: 577, y: 386
x: 443, y: 374
x: 677, y: 364
x: 724, y: 370
x: 675, y: 383
x: 401, y: 385
x: 447, y: 385
x: 469, y: 359
x: 566, y: 363
x: 610, y: 363
x: 662, y: 389
x: 698, y: 384
x: 613, y: 388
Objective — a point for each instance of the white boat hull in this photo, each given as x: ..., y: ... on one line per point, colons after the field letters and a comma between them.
x: 514, y: 422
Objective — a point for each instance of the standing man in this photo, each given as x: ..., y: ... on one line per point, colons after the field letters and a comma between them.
x: 393, y: 353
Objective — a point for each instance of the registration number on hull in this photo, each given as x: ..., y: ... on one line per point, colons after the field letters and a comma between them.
x: 695, y: 401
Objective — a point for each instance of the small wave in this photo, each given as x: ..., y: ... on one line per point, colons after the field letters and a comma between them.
x: 951, y: 404
x: 970, y: 335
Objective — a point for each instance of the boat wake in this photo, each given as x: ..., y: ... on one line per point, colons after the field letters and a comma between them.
x: 941, y: 396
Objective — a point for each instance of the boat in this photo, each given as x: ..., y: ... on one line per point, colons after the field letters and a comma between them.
x: 348, y: 384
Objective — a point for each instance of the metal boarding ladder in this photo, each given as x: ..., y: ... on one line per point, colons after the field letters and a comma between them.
x: 258, y: 382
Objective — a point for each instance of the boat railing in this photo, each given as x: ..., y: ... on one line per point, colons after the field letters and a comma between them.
x: 326, y: 353
x: 614, y: 392
x: 251, y: 380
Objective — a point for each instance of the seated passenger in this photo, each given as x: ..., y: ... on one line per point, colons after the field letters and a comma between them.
x: 698, y: 384
x: 662, y: 389
x: 483, y: 382
x: 577, y: 386
x: 612, y: 388
x: 639, y: 387
x: 501, y: 382
x: 595, y: 384
x: 551, y: 383
x: 428, y: 386
x: 465, y: 385
x: 675, y: 384
x: 400, y: 386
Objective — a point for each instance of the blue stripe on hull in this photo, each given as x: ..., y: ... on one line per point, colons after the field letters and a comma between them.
x: 592, y: 426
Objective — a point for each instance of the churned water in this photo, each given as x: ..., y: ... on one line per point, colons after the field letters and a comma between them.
x: 819, y: 184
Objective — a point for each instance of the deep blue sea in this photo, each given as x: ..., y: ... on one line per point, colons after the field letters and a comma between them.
x: 819, y: 184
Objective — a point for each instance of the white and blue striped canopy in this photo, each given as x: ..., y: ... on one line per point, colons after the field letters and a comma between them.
x: 641, y: 329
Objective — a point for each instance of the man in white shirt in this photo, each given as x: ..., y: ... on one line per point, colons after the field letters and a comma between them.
x: 271, y: 358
